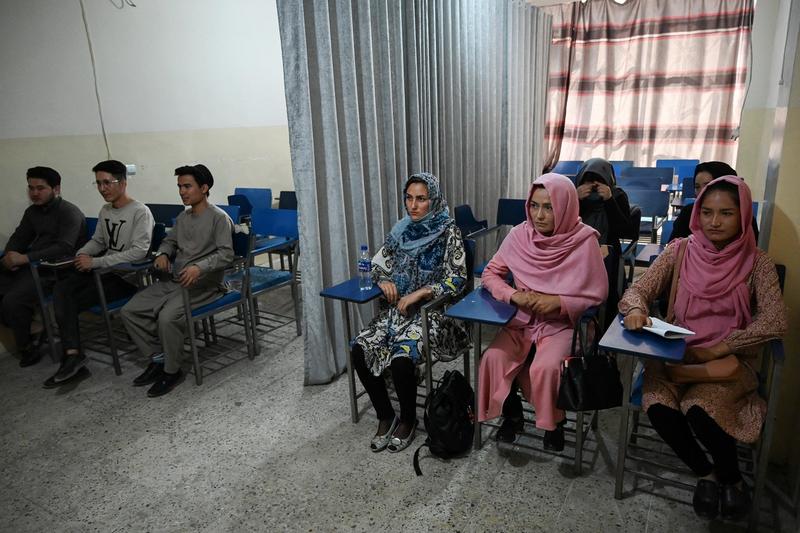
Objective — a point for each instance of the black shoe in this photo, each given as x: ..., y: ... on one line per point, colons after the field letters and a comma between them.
x: 706, y: 499
x: 70, y: 365
x: 80, y: 375
x: 150, y: 374
x: 734, y: 502
x: 166, y: 382
x: 554, y: 440
x: 29, y: 356
x: 509, y: 429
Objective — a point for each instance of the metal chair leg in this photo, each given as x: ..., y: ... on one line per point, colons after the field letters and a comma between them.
x: 112, y: 343
x: 579, y: 442
x: 187, y: 309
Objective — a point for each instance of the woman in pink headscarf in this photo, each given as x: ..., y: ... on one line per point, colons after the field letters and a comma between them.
x: 728, y: 294
x: 558, y: 273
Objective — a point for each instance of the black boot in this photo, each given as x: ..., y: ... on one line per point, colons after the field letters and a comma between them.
x: 734, y: 502
x: 29, y: 356
x: 706, y: 499
x: 554, y: 440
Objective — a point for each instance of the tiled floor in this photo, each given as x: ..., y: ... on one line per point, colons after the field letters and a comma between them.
x: 253, y: 450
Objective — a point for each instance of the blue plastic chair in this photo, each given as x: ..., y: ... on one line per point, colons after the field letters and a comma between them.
x: 245, y: 207
x: 232, y: 211
x: 567, y: 168
x: 666, y: 231
x: 654, y: 206
x: 510, y: 212
x: 259, y: 198
x: 644, y: 178
x: 619, y: 166
x: 166, y: 213
x: 466, y: 221
x: 287, y: 200
x: 674, y: 164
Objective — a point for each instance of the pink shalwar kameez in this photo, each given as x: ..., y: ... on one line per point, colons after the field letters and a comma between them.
x: 567, y: 263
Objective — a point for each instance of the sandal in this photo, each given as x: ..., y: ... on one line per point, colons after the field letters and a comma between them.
x: 397, y: 444
x: 380, y: 442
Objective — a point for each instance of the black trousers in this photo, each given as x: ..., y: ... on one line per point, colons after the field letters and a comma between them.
x: 405, y: 384
x: 76, y: 293
x: 676, y: 430
x: 18, y: 302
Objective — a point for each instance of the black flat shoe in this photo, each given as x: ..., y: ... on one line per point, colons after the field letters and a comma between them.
x: 165, y: 384
x: 734, y: 502
x: 706, y: 499
x: 509, y: 428
x: 150, y: 375
x: 554, y: 440
x: 29, y: 356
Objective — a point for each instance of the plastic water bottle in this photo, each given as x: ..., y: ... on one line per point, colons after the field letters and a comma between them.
x: 364, y: 268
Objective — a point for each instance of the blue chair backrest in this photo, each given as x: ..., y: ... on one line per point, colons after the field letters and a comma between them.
x: 275, y: 223
x: 465, y: 220
x: 675, y: 163
x: 165, y: 213
x: 510, y: 211
x: 469, y: 248
x: 620, y: 165
x: 245, y: 207
x: 91, y: 225
x: 644, y: 177
x: 685, y: 171
x: 666, y: 231
x: 232, y: 211
x: 755, y: 210
x: 567, y: 168
x: 259, y: 198
x: 652, y: 203
x: 687, y: 187
x: 159, y: 232
x: 287, y: 200
x: 241, y: 244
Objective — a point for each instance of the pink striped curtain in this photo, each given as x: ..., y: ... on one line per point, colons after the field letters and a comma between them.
x: 648, y: 79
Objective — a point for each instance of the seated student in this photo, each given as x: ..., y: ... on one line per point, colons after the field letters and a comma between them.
x: 422, y: 258
x: 605, y: 207
x: 558, y: 273
x: 703, y: 174
x: 728, y: 294
x: 51, y: 228
x: 123, y: 233
x: 200, y: 248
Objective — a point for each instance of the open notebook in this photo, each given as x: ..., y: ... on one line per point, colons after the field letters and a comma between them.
x: 667, y: 330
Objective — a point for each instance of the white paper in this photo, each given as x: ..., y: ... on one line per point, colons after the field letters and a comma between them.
x: 667, y: 330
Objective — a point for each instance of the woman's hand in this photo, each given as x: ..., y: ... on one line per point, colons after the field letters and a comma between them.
x: 696, y: 354
x: 603, y: 190
x: 636, y: 320
x: 407, y: 301
x: 389, y: 291
x: 584, y: 190
x: 538, y: 303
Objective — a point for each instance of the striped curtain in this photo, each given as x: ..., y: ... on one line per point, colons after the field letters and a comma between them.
x: 647, y: 79
x: 379, y: 89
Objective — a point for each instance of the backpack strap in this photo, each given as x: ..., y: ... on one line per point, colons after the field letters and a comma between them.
x: 417, y: 469
x: 676, y: 272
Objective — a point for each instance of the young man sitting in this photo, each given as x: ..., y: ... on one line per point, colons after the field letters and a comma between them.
x: 123, y: 234
x: 51, y: 228
x: 195, y: 254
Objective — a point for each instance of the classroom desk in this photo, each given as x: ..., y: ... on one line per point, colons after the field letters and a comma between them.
x: 480, y: 307
x: 631, y: 345
x: 648, y: 251
x: 349, y: 292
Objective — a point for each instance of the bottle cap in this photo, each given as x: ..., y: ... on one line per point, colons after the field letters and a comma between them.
x: 363, y: 247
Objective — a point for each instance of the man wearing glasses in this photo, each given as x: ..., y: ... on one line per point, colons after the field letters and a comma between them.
x: 123, y: 234
x: 51, y: 228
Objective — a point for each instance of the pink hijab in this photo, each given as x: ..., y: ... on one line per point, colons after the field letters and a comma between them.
x: 568, y: 262
x: 713, y: 298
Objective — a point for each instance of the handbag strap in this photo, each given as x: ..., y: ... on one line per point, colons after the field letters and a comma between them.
x: 676, y: 272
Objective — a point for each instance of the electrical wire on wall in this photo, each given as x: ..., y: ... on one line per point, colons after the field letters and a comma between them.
x: 94, y: 75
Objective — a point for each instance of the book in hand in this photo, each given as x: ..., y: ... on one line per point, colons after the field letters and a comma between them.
x: 667, y: 330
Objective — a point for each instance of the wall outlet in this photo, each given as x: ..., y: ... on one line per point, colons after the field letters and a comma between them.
x: 131, y: 169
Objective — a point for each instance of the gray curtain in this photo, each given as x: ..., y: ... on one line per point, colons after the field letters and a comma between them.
x: 378, y: 90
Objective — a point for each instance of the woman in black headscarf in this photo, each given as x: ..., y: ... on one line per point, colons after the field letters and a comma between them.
x: 606, y: 208
x: 704, y: 173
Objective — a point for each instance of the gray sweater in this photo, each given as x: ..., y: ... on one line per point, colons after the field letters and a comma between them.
x: 50, y: 231
x: 203, y: 240
x: 122, y: 235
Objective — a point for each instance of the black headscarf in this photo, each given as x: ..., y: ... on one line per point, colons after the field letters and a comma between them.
x: 717, y: 169
x: 593, y: 211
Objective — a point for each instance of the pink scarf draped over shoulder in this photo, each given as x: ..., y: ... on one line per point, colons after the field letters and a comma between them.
x: 567, y: 263
x: 713, y: 297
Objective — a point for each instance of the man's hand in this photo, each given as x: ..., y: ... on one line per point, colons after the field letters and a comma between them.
x: 189, y: 276
x: 389, y: 291
x: 162, y: 263
x: 13, y: 260
x: 83, y: 263
x: 636, y: 320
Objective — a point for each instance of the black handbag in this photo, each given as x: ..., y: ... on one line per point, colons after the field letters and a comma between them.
x: 589, y: 380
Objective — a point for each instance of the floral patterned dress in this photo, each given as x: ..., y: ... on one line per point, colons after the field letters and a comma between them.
x: 440, y: 265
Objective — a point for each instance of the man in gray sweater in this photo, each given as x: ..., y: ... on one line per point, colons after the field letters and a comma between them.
x: 123, y: 234
x: 194, y: 254
x: 51, y: 228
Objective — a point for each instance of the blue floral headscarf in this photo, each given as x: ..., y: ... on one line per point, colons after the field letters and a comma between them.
x: 412, y: 237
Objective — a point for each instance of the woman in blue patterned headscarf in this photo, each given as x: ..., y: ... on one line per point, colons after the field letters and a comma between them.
x: 422, y: 258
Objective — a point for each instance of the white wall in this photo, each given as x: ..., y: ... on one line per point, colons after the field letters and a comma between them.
x: 180, y: 81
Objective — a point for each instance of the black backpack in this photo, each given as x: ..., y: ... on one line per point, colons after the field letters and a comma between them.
x: 449, y: 420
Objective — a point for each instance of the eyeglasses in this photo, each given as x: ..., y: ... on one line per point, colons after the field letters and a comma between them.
x: 105, y: 183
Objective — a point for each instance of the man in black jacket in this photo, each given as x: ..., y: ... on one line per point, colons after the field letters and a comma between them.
x: 50, y: 228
